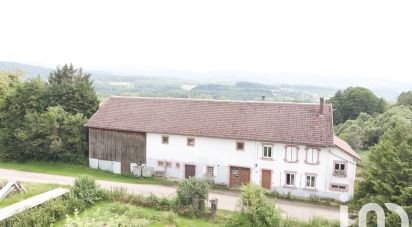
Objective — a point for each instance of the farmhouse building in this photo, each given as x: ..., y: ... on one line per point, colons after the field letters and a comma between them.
x: 284, y: 147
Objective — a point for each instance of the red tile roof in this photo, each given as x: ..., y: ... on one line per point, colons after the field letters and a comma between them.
x: 292, y: 123
x: 343, y: 145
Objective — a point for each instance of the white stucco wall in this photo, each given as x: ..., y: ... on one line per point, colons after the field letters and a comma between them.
x: 222, y: 153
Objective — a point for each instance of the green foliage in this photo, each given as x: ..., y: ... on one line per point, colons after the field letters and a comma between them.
x: 256, y: 208
x: 387, y: 175
x: 405, y: 98
x: 72, y: 89
x: 191, y: 187
x: 348, y: 104
x: 44, y: 121
x: 85, y: 189
x: 366, y: 130
x: 52, y: 135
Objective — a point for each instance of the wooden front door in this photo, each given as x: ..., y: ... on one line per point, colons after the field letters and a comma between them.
x: 190, y: 171
x: 125, y: 168
x: 239, y: 176
x: 266, y: 179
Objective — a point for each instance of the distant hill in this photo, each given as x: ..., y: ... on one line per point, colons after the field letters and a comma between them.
x: 29, y: 70
x: 220, y: 85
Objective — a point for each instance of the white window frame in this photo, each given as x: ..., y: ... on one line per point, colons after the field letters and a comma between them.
x: 311, y: 179
x: 289, y: 149
x: 312, y: 156
x: 294, y: 179
x: 265, y: 149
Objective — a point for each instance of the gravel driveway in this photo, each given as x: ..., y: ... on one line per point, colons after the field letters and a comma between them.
x: 227, y: 200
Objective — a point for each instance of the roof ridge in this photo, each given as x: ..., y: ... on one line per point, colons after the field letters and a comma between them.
x: 215, y: 100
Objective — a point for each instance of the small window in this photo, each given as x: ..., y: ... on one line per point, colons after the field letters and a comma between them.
x: 312, y: 156
x: 267, y: 151
x: 240, y: 146
x: 291, y: 154
x: 191, y: 142
x: 168, y: 164
x: 165, y: 139
x: 210, y: 171
x: 160, y: 163
x: 338, y: 187
x: 310, y: 181
x: 290, y: 179
x: 177, y: 165
x: 339, y: 168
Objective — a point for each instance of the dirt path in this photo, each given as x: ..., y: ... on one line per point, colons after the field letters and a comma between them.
x: 227, y: 200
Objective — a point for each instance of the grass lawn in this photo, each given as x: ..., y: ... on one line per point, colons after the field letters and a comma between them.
x: 77, y: 170
x: 112, y: 214
x: 32, y: 190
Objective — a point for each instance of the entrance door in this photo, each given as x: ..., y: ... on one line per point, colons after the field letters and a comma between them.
x: 266, y: 179
x: 125, y: 168
x: 239, y: 176
x: 190, y: 171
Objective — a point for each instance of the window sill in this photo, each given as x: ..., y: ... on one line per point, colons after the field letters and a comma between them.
x: 267, y: 159
x: 310, y: 189
x: 312, y: 164
x: 339, y: 175
x: 290, y: 162
x: 290, y: 186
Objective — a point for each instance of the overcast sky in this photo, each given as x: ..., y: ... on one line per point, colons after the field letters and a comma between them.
x: 371, y: 39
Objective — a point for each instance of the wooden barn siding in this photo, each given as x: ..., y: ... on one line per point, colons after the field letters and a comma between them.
x: 115, y: 145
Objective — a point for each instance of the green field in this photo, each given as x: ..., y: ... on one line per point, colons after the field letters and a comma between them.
x: 113, y: 214
x: 32, y: 190
x: 78, y: 170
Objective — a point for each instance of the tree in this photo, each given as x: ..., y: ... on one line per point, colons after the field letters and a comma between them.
x: 366, y: 130
x: 387, y: 175
x: 348, y: 104
x: 54, y: 135
x: 73, y: 90
x: 405, y: 98
x: 26, y: 97
x: 8, y: 81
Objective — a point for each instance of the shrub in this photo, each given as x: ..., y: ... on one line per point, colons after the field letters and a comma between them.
x: 256, y: 208
x: 191, y: 187
x: 85, y: 189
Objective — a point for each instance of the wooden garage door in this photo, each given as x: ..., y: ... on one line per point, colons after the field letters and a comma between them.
x: 239, y: 176
x: 190, y: 171
x: 266, y: 178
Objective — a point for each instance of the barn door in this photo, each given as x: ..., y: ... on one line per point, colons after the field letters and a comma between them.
x: 266, y: 179
x: 190, y: 171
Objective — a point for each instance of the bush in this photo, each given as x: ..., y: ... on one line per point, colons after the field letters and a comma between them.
x: 85, y: 189
x: 189, y: 188
x: 256, y: 208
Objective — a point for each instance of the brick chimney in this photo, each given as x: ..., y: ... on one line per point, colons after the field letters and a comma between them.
x: 322, y: 102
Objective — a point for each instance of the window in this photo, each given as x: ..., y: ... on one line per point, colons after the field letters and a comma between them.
x: 160, y: 163
x: 165, y: 139
x: 210, y: 170
x: 290, y: 179
x: 310, y: 181
x: 338, y: 187
x: 168, y: 164
x: 339, y: 168
x: 291, y: 154
x: 312, y: 156
x: 177, y: 165
x: 240, y: 146
x: 267, y: 151
x: 191, y: 142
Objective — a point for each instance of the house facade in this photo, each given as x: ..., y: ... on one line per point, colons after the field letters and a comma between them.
x: 284, y: 147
